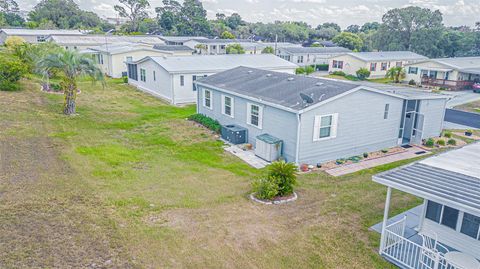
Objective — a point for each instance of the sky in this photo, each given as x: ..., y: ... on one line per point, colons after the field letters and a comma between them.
x: 314, y: 12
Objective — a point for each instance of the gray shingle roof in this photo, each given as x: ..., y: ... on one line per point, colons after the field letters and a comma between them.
x: 452, y: 178
x: 278, y: 88
x: 387, y: 56
x: 172, y: 48
x: 21, y: 31
x: 316, y: 50
x: 218, y: 63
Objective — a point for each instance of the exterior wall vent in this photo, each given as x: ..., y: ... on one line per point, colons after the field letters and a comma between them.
x: 290, y: 79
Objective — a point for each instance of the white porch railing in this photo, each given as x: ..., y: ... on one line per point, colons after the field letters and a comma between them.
x: 409, y: 254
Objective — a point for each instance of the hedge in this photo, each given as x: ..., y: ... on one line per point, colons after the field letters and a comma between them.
x: 208, y: 122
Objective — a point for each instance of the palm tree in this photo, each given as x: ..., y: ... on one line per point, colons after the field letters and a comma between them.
x: 396, y: 73
x: 70, y: 65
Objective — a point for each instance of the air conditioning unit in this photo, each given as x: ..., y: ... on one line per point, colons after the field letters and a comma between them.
x: 268, y: 147
x: 234, y: 134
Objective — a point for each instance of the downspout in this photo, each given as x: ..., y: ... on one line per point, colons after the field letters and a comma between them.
x: 173, y: 89
x: 297, y: 149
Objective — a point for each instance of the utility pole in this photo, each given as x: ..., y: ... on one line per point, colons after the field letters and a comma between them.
x: 276, y: 40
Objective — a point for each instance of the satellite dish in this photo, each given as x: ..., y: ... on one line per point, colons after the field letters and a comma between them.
x: 307, y: 99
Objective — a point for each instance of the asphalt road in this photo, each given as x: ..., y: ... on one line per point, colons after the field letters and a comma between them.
x: 463, y: 118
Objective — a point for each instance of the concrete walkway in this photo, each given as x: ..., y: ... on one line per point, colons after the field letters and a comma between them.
x: 354, y: 167
x: 461, y: 97
x: 247, y: 156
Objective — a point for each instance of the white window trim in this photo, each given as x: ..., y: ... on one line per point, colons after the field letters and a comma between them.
x: 205, y: 99
x: 260, y: 115
x: 316, y: 127
x: 232, y: 106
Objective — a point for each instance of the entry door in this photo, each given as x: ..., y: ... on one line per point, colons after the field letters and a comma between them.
x: 417, y: 132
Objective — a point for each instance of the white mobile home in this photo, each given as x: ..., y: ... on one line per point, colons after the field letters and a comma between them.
x: 88, y: 41
x: 446, y: 232
x: 34, y: 35
x: 377, y: 63
x: 305, y: 56
x: 454, y: 73
x: 171, y: 78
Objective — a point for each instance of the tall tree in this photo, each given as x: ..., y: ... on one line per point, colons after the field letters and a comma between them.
x: 134, y: 10
x: 353, y: 28
x: 349, y: 40
x: 330, y: 25
x: 187, y: 19
x: 234, y: 21
x: 71, y: 65
x: 8, y: 6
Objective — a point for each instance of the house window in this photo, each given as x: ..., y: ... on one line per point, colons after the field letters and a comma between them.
x: 398, y: 64
x: 384, y: 66
x: 254, y: 115
x: 132, y: 71
x: 444, y: 215
x: 41, y: 38
x: 222, y: 47
x: 227, y: 108
x: 154, y: 76
x: 413, y: 70
x: 337, y: 64
x: 470, y: 225
x: 100, y: 58
x: 182, y: 80
x: 300, y: 59
x: 143, y: 76
x: 207, y: 98
x: 385, y: 113
x: 194, y: 78
x: 325, y: 126
x: 373, y: 66
x: 129, y: 59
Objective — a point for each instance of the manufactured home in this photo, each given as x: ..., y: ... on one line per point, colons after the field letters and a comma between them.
x: 35, y: 35
x: 445, y: 231
x: 453, y: 73
x: 305, y: 56
x: 378, y: 63
x: 171, y: 78
x: 87, y: 41
x: 317, y: 119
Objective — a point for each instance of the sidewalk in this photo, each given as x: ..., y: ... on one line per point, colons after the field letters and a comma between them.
x: 354, y: 167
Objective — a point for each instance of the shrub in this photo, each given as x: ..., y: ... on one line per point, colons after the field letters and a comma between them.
x: 441, y: 142
x: 443, y: 89
x: 363, y: 73
x: 300, y: 71
x: 430, y: 143
x: 11, y: 71
x: 208, y: 122
x: 125, y: 79
x: 447, y: 134
x: 279, y: 181
x: 235, y: 49
x: 340, y: 161
x: 338, y: 73
x: 268, y: 50
x: 452, y: 142
x: 351, y: 77
x: 384, y: 150
x: 365, y: 155
x: 412, y: 82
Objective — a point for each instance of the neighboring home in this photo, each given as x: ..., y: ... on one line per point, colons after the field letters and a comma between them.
x: 178, y: 40
x: 34, y: 35
x: 87, y: 41
x: 215, y: 46
x: 171, y: 78
x: 319, y: 120
x: 304, y: 56
x: 377, y: 63
x: 453, y: 73
x: 175, y: 50
x: 112, y: 58
x: 445, y: 232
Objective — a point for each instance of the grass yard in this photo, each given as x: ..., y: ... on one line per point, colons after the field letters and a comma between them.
x: 376, y: 80
x: 470, y: 107
x: 129, y: 183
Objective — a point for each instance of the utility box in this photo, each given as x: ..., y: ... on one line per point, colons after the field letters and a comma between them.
x: 268, y: 147
x: 234, y: 134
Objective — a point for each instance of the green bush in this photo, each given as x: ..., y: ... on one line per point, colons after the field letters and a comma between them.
x: 363, y: 73
x: 384, y: 150
x: 430, y: 143
x: 447, y: 134
x: 280, y: 180
x: 351, y: 77
x: 365, y: 155
x: 452, y: 142
x: 338, y: 73
x: 307, y: 70
x: 441, y: 142
x: 412, y: 82
x: 125, y: 79
x: 208, y: 122
x: 11, y: 71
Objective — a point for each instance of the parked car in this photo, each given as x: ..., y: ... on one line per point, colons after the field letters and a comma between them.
x: 476, y: 87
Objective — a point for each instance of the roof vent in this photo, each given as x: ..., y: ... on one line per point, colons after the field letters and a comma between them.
x: 306, y: 99
x: 318, y: 84
x: 269, y: 75
x: 249, y: 71
x: 290, y: 79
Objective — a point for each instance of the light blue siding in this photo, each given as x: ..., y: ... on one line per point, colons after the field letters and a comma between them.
x: 361, y: 127
x: 434, y: 112
x: 276, y: 122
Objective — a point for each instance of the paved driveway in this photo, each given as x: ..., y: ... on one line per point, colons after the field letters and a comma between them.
x: 463, y: 118
x: 461, y: 97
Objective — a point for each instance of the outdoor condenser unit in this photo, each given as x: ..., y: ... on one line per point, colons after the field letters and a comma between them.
x: 268, y: 147
x: 234, y: 134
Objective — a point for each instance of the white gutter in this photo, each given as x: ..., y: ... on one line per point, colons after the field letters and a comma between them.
x: 173, y: 89
x: 297, y: 149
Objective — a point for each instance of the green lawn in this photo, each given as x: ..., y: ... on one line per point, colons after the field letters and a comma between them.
x: 470, y: 107
x: 376, y: 80
x: 129, y: 183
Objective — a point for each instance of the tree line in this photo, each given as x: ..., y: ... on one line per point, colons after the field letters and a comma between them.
x: 416, y: 29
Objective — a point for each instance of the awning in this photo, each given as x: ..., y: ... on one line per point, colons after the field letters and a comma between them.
x: 475, y: 71
x: 436, y: 69
x: 451, y: 178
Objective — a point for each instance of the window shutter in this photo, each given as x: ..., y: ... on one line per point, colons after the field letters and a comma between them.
x: 223, y: 104
x: 249, y: 113
x: 232, y: 105
x: 260, y: 117
x: 316, y: 128
x: 333, y: 133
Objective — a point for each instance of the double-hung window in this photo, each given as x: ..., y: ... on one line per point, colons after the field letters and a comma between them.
x: 325, y: 127
x: 373, y: 66
x: 398, y: 64
x: 337, y: 64
x: 384, y: 66
x: 412, y: 70
x: 182, y: 80
x: 385, y: 112
x: 143, y: 75
x: 207, y: 98
x: 254, y: 115
x: 471, y: 226
x: 194, y: 78
x: 227, y: 106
